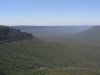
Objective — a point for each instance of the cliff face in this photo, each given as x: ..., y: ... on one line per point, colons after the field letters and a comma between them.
x: 8, y: 34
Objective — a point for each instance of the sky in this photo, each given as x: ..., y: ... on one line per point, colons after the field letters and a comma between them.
x: 49, y: 12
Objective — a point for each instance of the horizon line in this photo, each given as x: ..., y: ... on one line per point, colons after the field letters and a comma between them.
x: 48, y: 25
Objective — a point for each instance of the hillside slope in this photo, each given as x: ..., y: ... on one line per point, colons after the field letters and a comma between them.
x: 33, y: 54
x: 91, y: 35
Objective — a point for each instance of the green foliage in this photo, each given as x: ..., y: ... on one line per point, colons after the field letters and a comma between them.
x: 29, y: 54
x: 58, y: 72
x: 2, y: 73
x: 33, y: 54
x: 8, y: 34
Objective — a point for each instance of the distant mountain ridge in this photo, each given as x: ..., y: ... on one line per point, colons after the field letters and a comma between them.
x: 91, y: 35
x: 52, y: 32
x: 87, y: 34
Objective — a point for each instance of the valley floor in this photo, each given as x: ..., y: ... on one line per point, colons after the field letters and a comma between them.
x: 59, y: 72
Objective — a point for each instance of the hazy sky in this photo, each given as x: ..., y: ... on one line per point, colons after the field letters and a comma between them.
x: 50, y: 12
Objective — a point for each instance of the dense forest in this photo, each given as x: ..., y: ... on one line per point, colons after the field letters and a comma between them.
x: 8, y: 34
x: 23, y: 54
